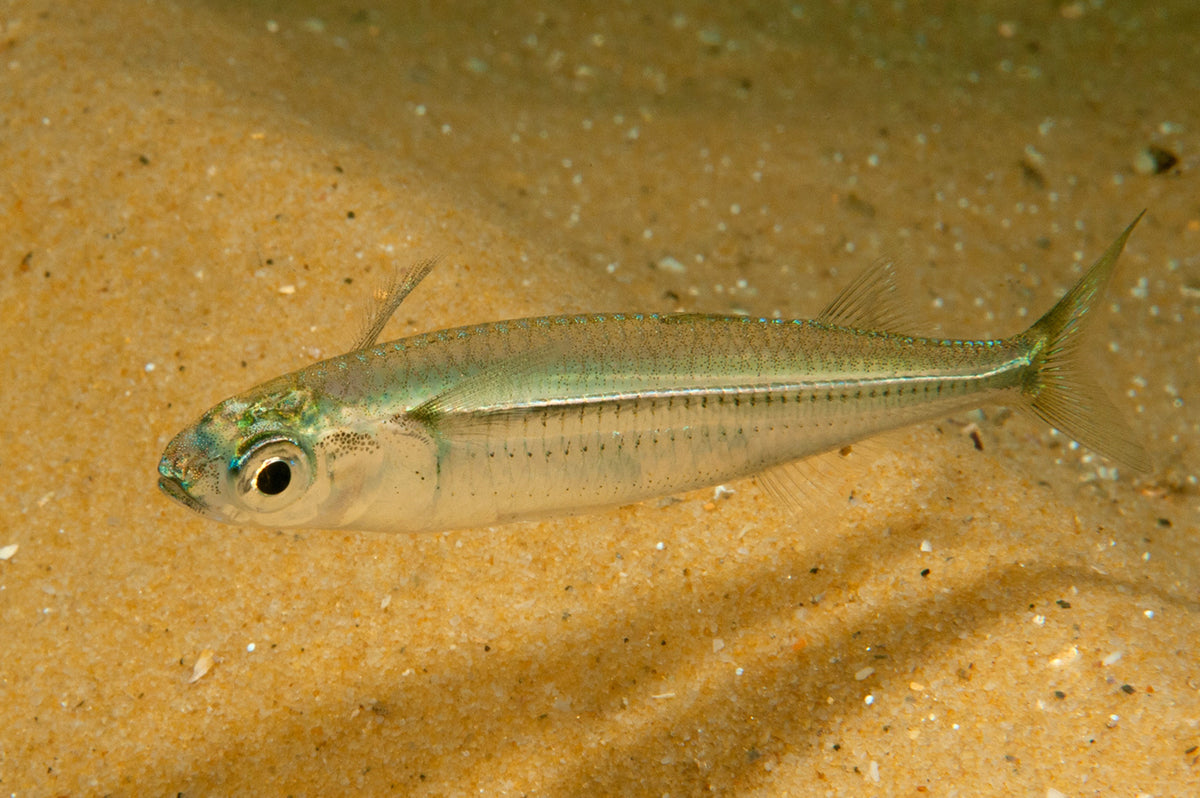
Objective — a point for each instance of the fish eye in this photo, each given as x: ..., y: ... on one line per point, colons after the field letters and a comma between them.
x: 272, y: 474
x: 273, y: 477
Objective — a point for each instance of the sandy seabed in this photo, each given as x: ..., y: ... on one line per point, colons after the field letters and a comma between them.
x: 195, y: 197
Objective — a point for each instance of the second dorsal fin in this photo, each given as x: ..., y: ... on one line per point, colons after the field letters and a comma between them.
x: 869, y: 302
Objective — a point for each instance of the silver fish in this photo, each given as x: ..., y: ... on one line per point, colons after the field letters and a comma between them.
x: 511, y: 420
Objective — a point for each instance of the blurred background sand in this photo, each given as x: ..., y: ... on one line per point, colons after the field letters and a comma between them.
x: 195, y: 197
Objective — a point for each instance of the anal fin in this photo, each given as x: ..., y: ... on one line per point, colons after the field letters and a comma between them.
x: 822, y: 481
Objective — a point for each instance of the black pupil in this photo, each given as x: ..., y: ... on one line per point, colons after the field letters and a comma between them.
x: 273, y: 478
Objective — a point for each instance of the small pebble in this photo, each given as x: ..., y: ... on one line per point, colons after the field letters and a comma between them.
x: 1154, y: 160
x: 203, y: 665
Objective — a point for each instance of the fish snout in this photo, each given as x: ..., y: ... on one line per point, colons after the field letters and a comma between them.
x: 181, y: 469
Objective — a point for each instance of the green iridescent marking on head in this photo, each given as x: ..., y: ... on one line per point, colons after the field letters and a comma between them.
x: 289, y: 408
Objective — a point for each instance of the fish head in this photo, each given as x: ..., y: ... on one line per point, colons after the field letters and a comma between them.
x: 253, y: 459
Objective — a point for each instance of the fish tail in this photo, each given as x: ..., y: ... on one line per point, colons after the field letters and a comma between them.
x: 1060, y: 388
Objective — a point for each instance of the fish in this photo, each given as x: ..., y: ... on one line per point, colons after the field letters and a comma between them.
x: 505, y: 421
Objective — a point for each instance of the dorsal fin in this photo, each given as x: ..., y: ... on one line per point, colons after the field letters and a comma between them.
x: 389, y: 297
x: 869, y: 302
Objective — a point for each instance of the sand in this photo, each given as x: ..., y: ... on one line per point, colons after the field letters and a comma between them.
x: 196, y: 197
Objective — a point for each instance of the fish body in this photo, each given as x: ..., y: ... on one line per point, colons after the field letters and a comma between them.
x: 518, y: 419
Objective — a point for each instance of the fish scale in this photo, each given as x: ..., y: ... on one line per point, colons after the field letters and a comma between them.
x: 690, y: 411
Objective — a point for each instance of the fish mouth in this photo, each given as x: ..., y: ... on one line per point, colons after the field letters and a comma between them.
x: 173, y: 488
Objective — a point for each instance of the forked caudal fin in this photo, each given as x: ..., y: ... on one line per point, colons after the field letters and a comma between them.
x: 1059, y: 389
